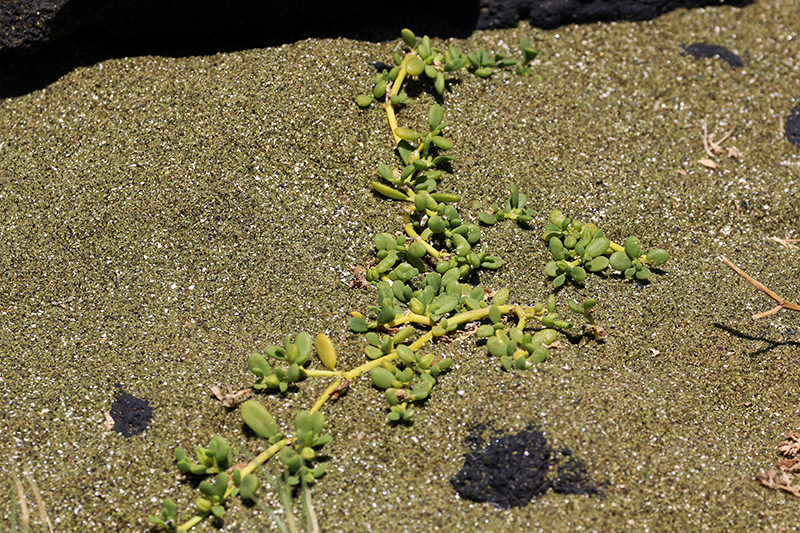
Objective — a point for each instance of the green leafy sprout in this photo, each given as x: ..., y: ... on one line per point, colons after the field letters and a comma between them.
x: 420, y: 277
x: 578, y: 247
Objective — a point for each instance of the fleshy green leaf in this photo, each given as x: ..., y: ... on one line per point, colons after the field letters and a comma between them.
x: 620, y: 261
x: 415, y: 66
x: 388, y: 192
x: 435, y: 116
x: 575, y: 307
x: 556, y: 248
x: 408, y: 37
x: 658, y: 256
x: 381, y: 378
x: 406, y: 134
x: 248, y: 486
x: 259, y: 419
x: 304, y: 345
x: 597, y: 247
x: 597, y: 264
x: 438, y: 82
x: 358, y: 325
x: 258, y: 365
x: 441, y: 142
x: 632, y: 247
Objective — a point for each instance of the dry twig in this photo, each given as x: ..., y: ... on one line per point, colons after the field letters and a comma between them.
x: 787, y: 242
x: 782, y: 302
x: 230, y: 399
x: 791, y: 446
x: 23, y: 502
x: 783, y: 481
x: 37, y: 495
x: 713, y: 147
x: 772, y: 479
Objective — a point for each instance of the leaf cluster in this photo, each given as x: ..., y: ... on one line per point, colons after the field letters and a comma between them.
x: 438, y: 297
x: 516, y: 348
x: 577, y: 248
x: 169, y: 515
x: 444, y: 224
x: 224, y: 487
x: 411, y: 383
x: 380, y: 345
x: 217, y: 457
x: 295, y: 355
x: 513, y: 209
x: 424, y: 59
x: 419, y: 172
x: 214, y: 496
x: 308, y: 437
x: 586, y: 309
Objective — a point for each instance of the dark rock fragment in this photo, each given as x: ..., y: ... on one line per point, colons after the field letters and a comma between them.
x: 26, y: 25
x: 130, y: 415
x: 793, y: 127
x: 515, y: 468
x: 555, y: 13
x: 700, y: 50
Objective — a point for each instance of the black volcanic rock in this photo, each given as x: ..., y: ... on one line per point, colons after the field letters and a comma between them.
x: 130, y: 415
x: 27, y: 25
x: 793, y: 127
x: 701, y: 50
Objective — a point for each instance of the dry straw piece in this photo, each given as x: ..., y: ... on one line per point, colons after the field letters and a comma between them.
x: 782, y: 302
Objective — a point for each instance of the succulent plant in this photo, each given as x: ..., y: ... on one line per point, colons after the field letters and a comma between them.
x: 423, y: 279
x: 578, y: 248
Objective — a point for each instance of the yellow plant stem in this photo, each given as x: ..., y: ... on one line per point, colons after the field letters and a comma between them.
x: 366, y: 367
x: 410, y: 318
x: 323, y: 373
x: 392, y: 119
x: 520, y: 316
x: 398, y: 82
x: 193, y: 522
x: 411, y: 232
x: 417, y: 344
x: 401, y: 76
x: 324, y: 397
x: 476, y: 314
x: 264, y: 456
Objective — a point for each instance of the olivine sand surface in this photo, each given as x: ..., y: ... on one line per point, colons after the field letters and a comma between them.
x: 165, y: 216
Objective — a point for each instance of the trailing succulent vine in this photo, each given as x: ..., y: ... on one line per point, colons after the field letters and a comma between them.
x: 421, y: 276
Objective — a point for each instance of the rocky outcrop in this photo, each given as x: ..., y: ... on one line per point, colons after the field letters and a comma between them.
x: 28, y: 25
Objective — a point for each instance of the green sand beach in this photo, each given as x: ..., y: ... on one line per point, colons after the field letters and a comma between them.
x: 163, y: 217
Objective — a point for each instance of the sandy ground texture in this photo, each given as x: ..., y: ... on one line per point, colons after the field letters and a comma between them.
x: 165, y: 216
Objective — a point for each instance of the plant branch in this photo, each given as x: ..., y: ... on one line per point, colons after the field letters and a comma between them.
x: 398, y: 82
x: 782, y: 302
x: 411, y: 232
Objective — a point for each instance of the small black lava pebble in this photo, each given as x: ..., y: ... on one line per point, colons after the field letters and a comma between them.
x: 699, y: 50
x: 130, y: 415
x: 793, y: 127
